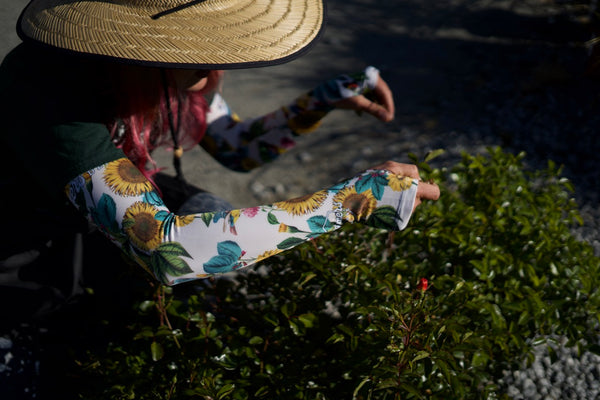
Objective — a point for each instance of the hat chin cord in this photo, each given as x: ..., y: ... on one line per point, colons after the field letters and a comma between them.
x: 177, y: 149
x: 175, y: 9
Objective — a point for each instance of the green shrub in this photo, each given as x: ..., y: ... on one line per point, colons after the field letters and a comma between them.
x: 347, y: 316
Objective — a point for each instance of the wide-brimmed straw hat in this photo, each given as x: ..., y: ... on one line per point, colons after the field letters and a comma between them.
x: 211, y: 34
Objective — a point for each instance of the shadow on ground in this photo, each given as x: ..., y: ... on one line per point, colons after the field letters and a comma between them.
x: 465, y: 75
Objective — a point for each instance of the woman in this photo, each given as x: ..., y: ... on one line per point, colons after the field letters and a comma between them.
x: 97, y: 85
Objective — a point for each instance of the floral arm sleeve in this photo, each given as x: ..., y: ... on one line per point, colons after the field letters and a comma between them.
x: 119, y: 200
x: 244, y: 145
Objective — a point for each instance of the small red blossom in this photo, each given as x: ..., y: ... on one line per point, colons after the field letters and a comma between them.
x: 423, y: 284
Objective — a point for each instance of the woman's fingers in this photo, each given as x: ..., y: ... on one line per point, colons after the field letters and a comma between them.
x: 425, y: 190
x: 379, y: 104
x: 428, y: 191
x: 397, y: 168
x: 385, y: 99
x: 361, y: 104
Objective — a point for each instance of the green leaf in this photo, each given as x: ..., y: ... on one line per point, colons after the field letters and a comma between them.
x: 307, y: 277
x: 443, y: 367
x: 433, y: 154
x: 262, y: 391
x: 225, y: 391
x: 288, y: 309
x: 144, y: 333
x: 421, y: 355
x: 336, y: 338
x: 270, y: 319
x: 411, y: 389
x: 254, y: 340
x: 297, y: 329
x: 147, y: 305
x: 307, y: 319
x: 157, y: 351
x: 479, y: 359
x: 360, y: 385
x: 498, y: 320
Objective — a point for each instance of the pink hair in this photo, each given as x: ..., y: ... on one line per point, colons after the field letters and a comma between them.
x: 143, y: 116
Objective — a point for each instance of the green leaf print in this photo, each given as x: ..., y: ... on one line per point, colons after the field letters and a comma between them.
x: 166, y: 259
x: 289, y: 243
x: 384, y: 217
x: 173, y: 248
x: 272, y: 219
x: 207, y: 217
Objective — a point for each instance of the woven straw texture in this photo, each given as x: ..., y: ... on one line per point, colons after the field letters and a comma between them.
x: 211, y: 32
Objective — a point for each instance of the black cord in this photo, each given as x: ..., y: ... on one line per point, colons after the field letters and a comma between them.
x: 177, y: 150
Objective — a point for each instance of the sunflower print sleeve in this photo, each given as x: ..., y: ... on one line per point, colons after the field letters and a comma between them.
x: 122, y: 203
x: 245, y: 145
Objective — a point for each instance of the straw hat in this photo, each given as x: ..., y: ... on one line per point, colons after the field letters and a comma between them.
x: 211, y: 34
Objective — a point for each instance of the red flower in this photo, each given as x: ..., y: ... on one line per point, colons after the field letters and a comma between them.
x: 423, y: 284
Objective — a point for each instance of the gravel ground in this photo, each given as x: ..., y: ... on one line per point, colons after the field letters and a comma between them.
x: 466, y: 74
x: 570, y: 376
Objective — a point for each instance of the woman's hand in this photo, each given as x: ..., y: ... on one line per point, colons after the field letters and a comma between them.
x: 425, y: 191
x: 379, y: 102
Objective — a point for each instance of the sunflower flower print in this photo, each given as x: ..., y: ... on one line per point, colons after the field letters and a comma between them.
x: 183, y: 220
x: 360, y: 205
x: 142, y: 227
x: 304, y: 204
x: 267, y: 254
x: 399, y: 183
x: 125, y: 179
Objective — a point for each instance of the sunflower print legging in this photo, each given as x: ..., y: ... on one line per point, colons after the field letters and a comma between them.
x: 122, y: 203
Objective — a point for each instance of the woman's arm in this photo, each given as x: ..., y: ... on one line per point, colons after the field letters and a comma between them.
x: 244, y: 145
x: 122, y: 203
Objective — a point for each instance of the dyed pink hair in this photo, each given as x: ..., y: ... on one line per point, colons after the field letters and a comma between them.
x: 143, y: 121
